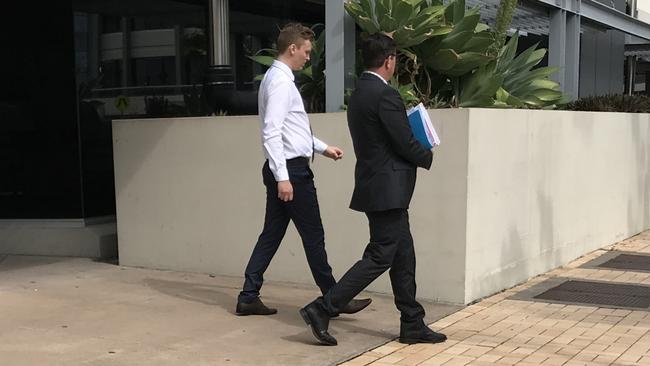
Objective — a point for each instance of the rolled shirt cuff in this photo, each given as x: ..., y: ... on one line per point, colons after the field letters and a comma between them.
x: 281, y: 175
x: 319, y: 146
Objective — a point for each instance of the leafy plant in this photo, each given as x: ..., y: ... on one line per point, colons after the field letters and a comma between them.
x: 265, y: 56
x: 409, y: 21
x: 406, y: 92
x: 461, y: 57
x: 461, y: 50
x: 522, y: 85
x: 479, y: 88
x: 504, y: 18
x: 438, y: 102
x: 446, y: 56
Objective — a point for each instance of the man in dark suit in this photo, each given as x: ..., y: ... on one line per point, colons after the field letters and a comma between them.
x: 387, y: 158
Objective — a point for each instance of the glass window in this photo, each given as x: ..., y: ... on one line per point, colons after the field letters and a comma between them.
x: 148, y: 71
x: 151, y: 74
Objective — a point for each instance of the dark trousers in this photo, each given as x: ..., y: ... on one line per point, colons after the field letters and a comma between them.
x: 303, y: 210
x: 391, y: 246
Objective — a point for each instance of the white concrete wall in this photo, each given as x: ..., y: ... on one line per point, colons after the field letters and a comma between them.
x: 547, y: 187
x: 438, y: 213
x: 190, y: 197
x: 510, y: 194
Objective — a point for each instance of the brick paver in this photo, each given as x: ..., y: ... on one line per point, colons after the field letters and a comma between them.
x: 501, y: 331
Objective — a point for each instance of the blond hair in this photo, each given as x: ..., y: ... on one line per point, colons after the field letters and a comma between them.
x: 293, y: 33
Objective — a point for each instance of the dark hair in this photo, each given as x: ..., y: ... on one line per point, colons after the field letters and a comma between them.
x: 293, y: 33
x: 375, y: 48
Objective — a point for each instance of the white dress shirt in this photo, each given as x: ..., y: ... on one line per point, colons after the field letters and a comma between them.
x: 286, y: 133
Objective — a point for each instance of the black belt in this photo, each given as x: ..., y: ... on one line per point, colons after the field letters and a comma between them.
x: 299, y: 161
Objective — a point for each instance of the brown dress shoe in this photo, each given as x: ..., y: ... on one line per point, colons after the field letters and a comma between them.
x: 256, y: 307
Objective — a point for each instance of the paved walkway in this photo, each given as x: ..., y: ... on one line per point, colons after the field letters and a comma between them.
x: 73, y: 311
x: 502, y: 331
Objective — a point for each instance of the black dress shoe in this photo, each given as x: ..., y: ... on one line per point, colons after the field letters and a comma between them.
x: 425, y: 335
x: 354, y: 306
x: 318, y: 320
x: 256, y: 307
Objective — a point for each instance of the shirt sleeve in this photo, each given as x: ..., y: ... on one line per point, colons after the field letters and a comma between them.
x: 319, y: 146
x: 277, y: 108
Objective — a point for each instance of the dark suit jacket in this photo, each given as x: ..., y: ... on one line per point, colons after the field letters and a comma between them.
x: 387, y: 153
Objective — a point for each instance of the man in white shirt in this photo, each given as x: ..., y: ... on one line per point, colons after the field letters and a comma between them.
x: 288, y: 145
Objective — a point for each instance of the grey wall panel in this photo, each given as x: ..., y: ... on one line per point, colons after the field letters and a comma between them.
x: 587, y: 64
x: 617, y: 62
x: 603, y: 61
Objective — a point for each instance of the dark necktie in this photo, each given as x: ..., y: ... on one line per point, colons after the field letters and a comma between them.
x: 309, y: 122
x: 312, y: 142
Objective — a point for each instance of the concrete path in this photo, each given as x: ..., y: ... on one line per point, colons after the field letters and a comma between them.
x: 511, y: 328
x: 72, y: 311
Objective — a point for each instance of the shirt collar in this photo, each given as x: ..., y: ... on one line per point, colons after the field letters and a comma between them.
x: 284, y: 67
x: 377, y: 75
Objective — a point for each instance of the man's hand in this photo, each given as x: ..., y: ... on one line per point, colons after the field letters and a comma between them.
x: 285, y: 191
x: 333, y: 153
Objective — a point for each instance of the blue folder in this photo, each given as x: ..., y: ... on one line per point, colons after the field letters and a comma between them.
x: 417, y: 126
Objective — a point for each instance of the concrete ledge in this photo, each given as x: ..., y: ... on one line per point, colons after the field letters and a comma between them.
x: 68, y: 237
x: 511, y: 194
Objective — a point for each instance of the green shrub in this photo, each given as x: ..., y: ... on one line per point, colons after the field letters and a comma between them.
x: 612, y: 103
